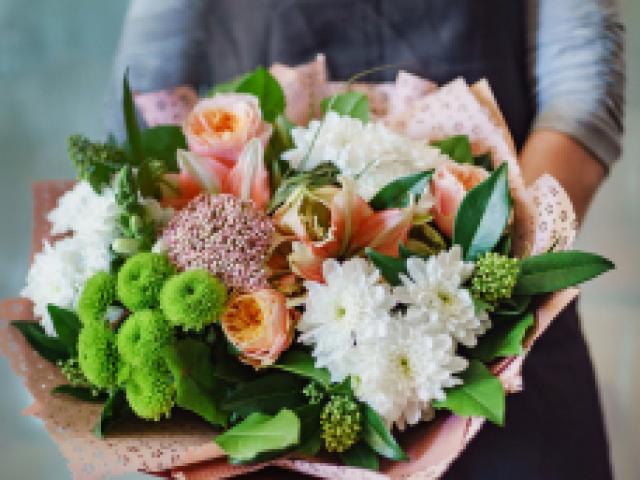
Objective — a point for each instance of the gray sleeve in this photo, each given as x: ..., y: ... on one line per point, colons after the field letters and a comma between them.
x: 578, y: 68
x: 163, y: 45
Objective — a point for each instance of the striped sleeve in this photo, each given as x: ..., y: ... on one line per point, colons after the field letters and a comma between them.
x: 576, y: 58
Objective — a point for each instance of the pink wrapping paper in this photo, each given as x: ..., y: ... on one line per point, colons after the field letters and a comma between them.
x: 183, y: 447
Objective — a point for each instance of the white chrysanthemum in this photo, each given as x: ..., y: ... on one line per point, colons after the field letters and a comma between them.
x: 86, y: 214
x: 434, y: 295
x: 59, y: 272
x: 370, y: 153
x: 351, y: 309
x: 402, y: 374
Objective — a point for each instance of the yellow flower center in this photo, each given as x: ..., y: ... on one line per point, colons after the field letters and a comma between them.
x: 243, y: 319
x: 214, y: 121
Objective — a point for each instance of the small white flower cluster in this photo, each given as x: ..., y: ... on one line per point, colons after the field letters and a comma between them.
x: 60, y: 270
x: 370, y: 153
x: 400, y: 360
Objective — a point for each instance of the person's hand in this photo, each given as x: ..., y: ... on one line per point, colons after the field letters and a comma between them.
x: 579, y: 172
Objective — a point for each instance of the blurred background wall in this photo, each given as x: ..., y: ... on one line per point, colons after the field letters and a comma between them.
x: 55, y: 58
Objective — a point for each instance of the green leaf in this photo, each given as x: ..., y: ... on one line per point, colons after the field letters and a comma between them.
x: 267, y: 394
x: 197, y: 389
x: 483, y: 214
x: 361, y: 456
x: 503, y: 340
x: 279, y: 142
x: 162, y: 142
x: 457, y: 147
x: 514, y: 306
x: 553, y: 271
x: 49, y: 348
x: 86, y: 394
x: 350, y: 104
x: 390, y: 267
x: 480, y: 395
x: 269, y: 92
x: 67, y: 326
x: 401, y: 191
x: 483, y: 161
x: 302, y: 363
x: 378, y: 437
x: 114, y: 410
x: 228, y: 368
x: 310, y: 430
x: 259, y: 434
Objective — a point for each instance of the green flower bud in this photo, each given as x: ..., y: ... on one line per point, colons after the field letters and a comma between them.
x: 494, y: 277
x: 126, y: 246
x: 97, y: 354
x: 341, y: 422
x: 142, y: 338
x: 72, y: 372
x: 151, y: 392
x: 314, y: 393
x: 141, y: 278
x: 193, y: 299
x: 98, y: 294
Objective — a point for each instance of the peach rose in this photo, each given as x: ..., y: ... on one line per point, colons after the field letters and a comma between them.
x: 450, y: 183
x: 259, y: 325
x: 219, y: 127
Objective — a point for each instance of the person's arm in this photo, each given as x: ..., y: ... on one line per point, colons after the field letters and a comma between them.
x: 162, y: 45
x: 578, y: 70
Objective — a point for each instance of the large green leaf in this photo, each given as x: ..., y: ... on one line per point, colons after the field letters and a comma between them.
x: 197, y: 389
x: 361, y: 455
x: 67, y: 327
x: 350, y: 104
x: 134, y: 140
x: 49, y: 348
x: 390, y: 267
x: 259, y: 434
x: 86, y: 394
x: 378, y: 437
x: 503, y: 340
x: 269, y: 92
x: 227, y: 87
x: 302, y: 363
x: 114, y: 410
x: 457, y: 147
x: 553, y: 271
x: 480, y: 395
x: 483, y: 214
x: 401, y: 191
x: 310, y: 430
x: 162, y: 142
x: 268, y: 394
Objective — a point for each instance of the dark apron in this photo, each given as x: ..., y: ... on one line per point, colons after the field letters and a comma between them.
x: 554, y: 429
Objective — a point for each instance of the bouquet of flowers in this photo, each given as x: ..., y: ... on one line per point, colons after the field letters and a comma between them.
x: 303, y: 273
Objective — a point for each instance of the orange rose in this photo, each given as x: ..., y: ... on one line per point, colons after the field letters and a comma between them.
x: 449, y: 185
x: 259, y: 325
x: 219, y: 127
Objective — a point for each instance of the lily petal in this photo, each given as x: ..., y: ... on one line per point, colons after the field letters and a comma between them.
x: 384, y: 231
x: 249, y: 178
x: 305, y: 262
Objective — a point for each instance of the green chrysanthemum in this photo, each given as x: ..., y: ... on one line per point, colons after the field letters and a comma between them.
x: 494, y: 277
x: 341, y: 422
x: 151, y: 392
x: 142, y: 337
x: 98, y: 294
x: 193, y: 299
x: 141, y: 278
x: 97, y: 354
